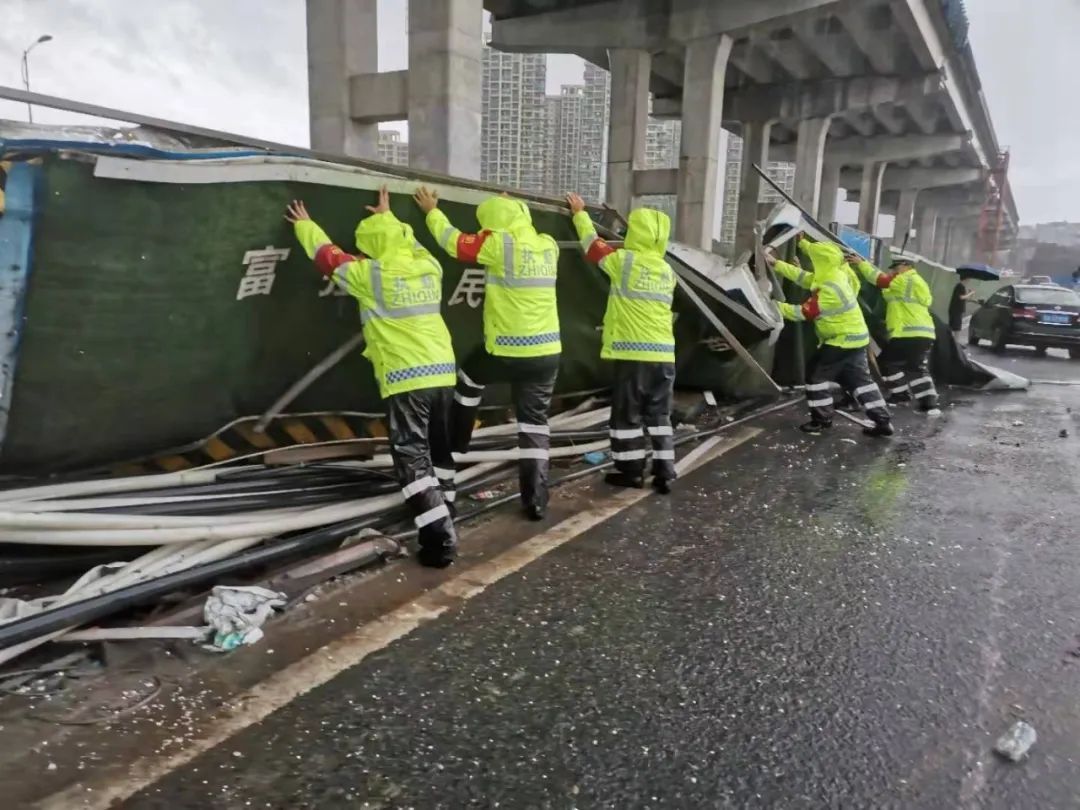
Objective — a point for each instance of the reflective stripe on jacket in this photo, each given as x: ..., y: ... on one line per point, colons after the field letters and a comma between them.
x: 399, y: 294
x: 907, y: 301
x: 521, y: 316
x: 638, y: 321
x: 834, y: 297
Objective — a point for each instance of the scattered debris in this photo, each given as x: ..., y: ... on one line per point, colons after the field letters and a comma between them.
x: 484, y: 495
x: 1063, y: 433
x: 135, y: 633
x: 849, y: 441
x: 236, y: 614
x: 1017, y: 423
x: 595, y: 457
x: 1015, y: 743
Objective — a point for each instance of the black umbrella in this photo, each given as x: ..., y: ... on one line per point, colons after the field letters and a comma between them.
x: 980, y: 272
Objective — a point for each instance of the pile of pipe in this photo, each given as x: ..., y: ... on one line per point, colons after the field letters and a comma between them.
x: 223, y: 518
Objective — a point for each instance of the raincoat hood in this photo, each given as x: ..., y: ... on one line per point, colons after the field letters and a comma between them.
x: 503, y: 214
x: 383, y: 235
x: 824, y: 256
x: 648, y: 231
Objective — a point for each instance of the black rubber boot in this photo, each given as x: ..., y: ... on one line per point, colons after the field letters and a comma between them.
x: 813, y: 428
x: 619, y: 479
x: 436, y: 557
x: 879, y: 430
x: 535, y: 512
x: 662, y: 485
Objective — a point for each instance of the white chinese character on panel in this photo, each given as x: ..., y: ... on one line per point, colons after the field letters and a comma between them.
x: 470, y: 290
x: 331, y: 287
x: 261, y: 264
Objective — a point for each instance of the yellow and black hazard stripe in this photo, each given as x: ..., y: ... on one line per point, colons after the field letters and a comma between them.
x: 240, y: 439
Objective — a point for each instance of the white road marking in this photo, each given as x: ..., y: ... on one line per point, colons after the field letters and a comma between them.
x: 316, y: 669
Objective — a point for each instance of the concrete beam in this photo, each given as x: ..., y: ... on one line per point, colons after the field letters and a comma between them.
x: 751, y: 60
x: 905, y: 215
x: 755, y: 150
x: 342, y: 41
x: 699, y: 148
x: 869, y: 29
x: 830, y: 193
x: 854, y: 151
x: 916, y: 19
x: 927, y: 228
x: 378, y: 97
x: 667, y: 107
x: 646, y: 24
x: 624, y: 24
x: 826, y: 39
x: 891, y: 118
x: 445, y: 50
x: 897, y: 179
x: 627, y: 124
x: 801, y: 100
x: 870, y: 196
x: 650, y: 182
x: 792, y: 55
x: 809, y: 162
x: 695, y: 18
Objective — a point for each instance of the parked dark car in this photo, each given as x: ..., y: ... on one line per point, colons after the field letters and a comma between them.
x: 1038, y: 315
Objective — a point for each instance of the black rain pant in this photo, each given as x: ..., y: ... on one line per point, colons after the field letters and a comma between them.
x: 424, y: 463
x: 640, y: 404
x: 905, y: 368
x: 532, y: 381
x: 850, y: 369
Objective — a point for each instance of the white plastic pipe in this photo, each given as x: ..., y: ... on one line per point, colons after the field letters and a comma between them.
x: 105, y: 485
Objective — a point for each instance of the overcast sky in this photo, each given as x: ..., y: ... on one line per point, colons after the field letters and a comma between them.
x: 240, y: 66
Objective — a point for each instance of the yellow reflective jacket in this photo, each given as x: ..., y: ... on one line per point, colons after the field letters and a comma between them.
x: 907, y: 301
x: 833, y: 305
x: 637, y: 323
x: 399, y: 290
x: 521, y: 315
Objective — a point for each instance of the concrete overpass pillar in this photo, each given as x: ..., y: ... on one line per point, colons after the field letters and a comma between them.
x: 905, y: 216
x: 627, y: 124
x: 809, y: 163
x: 870, y: 196
x: 342, y: 41
x: 941, y: 239
x: 830, y: 193
x: 755, y: 135
x: 699, y: 150
x: 445, y: 50
x: 928, y: 220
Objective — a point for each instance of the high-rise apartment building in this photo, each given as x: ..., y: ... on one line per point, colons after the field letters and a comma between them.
x: 565, y: 117
x: 595, y: 109
x: 662, y: 152
x: 513, y: 127
x: 392, y: 149
x: 782, y: 173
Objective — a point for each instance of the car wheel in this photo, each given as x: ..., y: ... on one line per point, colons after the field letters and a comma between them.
x: 1040, y: 351
x: 997, y: 341
x: 1074, y: 353
x: 973, y: 339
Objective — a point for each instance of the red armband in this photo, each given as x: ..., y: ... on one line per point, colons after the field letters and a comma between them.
x: 330, y: 257
x: 469, y: 244
x: 598, y: 250
x: 884, y: 280
x: 811, y: 309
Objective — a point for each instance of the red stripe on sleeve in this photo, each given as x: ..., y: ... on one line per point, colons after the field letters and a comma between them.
x: 330, y: 257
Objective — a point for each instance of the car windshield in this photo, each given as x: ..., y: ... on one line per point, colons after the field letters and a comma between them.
x: 1047, y: 296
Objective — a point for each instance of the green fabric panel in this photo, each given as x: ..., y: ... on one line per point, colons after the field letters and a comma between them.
x: 134, y: 340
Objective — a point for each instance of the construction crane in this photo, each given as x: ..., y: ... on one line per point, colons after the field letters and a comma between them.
x: 992, y: 215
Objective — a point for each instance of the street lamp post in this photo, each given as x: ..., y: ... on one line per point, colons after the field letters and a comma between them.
x: 26, y: 71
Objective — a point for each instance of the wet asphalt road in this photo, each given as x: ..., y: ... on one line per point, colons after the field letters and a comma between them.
x: 806, y: 623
